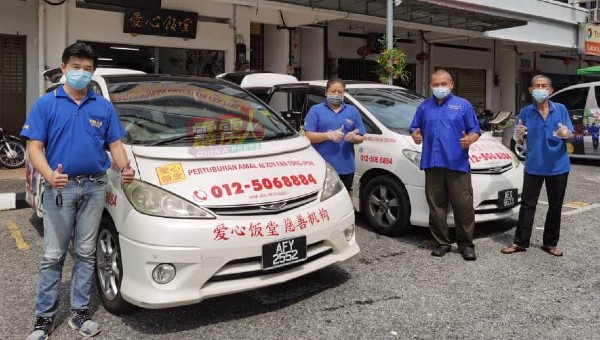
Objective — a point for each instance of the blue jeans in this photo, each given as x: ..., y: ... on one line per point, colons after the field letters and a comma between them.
x: 78, y: 217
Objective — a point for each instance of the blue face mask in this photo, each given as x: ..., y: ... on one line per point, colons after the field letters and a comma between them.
x: 441, y: 92
x: 540, y: 95
x: 78, y: 79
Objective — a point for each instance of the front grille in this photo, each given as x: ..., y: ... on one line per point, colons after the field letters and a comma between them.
x: 497, y: 170
x: 261, y: 209
x: 252, y: 266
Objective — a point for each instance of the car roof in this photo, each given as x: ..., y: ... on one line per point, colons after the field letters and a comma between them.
x: 575, y: 86
x: 257, y: 79
x: 349, y: 84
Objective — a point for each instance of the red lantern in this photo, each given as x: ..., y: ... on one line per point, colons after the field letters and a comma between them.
x: 422, y: 57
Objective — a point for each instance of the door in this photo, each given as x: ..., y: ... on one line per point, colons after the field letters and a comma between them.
x: 13, y: 75
x: 290, y: 102
x: 575, y: 101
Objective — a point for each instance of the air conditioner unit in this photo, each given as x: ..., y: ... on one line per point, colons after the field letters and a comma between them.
x: 594, y: 15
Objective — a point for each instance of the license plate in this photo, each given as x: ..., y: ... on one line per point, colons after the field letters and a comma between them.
x: 284, y: 252
x: 507, y: 198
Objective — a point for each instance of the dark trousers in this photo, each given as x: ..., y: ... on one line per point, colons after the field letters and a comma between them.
x: 445, y: 187
x: 555, y: 188
x: 595, y: 143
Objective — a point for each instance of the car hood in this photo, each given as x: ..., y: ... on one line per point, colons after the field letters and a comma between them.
x: 233, y: 175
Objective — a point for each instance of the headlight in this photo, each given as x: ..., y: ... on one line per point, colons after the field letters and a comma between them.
x: 332, y: 184
x: 413, y: 156
x: 151, y: 200
x: 515, y: 159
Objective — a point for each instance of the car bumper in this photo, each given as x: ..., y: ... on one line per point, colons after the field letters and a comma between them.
x: 207, y: 267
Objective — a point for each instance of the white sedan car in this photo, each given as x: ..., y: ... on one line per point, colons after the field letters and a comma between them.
x: 391, y: 187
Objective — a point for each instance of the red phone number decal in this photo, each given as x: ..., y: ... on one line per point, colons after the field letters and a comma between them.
x: 237, y: 188
x: 376, y: 159
x: 488, y: 156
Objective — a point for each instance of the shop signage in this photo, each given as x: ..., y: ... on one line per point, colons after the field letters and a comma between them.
x: 589, y: 39
x: 146, y: 4
x: 161, y: 22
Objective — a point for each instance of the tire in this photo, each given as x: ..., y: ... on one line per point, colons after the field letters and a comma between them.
x: 518, y: 149
x: 109, y: 270
x: 386, y: 206
x: 14, y: 159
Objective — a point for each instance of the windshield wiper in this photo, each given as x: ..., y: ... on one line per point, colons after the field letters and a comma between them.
x: 278, y: 135
x: 174, y: 138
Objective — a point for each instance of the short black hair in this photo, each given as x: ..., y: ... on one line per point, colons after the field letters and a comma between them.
x: 335, y: 80
x: 80, y: 50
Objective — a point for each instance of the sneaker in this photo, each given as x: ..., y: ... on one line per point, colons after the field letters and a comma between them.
x: 43, y: 327
x: 80, y: 320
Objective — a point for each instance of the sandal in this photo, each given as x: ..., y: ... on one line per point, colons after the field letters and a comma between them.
x: 552, y: 250
x: 511, y: 248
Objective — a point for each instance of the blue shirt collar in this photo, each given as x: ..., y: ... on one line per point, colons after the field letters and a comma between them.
x: 60, y: 92
x: 435, y: 100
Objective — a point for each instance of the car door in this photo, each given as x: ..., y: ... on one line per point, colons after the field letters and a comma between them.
x: 575, y: 100
x: 290, y: 101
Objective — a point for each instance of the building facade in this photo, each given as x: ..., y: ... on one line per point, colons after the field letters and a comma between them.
x: 492, y: 48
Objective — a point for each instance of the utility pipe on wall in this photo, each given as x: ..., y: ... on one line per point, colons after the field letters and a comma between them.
x: 41, y: 46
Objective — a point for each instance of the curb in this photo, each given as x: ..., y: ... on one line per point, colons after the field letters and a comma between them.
x: 12, y: 201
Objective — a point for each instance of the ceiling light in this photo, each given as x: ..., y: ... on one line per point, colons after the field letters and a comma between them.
x: 124, y: 48
x: 106, y: 59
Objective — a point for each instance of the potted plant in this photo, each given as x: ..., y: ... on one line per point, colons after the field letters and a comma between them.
x: 391, y: 62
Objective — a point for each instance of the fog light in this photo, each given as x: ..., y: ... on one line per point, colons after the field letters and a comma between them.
x: 349, y: 232
x: 163, y: 273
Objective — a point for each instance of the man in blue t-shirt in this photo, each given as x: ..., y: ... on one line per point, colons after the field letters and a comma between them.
x: 593, y: 130
x: 333, y: 127
x: 548, y: 128
x: 68, y: 132
x: 447, y: 125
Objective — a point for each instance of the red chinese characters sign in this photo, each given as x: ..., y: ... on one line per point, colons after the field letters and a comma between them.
x: 161, y: 22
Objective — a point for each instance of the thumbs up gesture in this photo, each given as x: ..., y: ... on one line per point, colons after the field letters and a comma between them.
x: 336, y: 135
x: 349, y: 137
x: 127, y: 173
x: 562, y: 132
x: 417, y: 137
x: 520, y: 132
x: 57, y: 179
x: 465, y: 140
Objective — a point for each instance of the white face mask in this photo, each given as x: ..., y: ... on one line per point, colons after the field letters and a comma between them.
x: 540, y: 95
x: 441, y: 92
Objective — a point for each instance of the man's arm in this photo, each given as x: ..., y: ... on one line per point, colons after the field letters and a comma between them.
x: 37, y: 157
x: 119, y: 156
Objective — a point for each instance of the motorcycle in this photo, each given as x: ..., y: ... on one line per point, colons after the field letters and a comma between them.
x: 12, y: 150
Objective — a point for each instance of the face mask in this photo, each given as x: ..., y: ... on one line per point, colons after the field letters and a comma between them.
x: 540, y: 95
x: 441, y: 92
x: 335, y: 99
x: 78, y: 79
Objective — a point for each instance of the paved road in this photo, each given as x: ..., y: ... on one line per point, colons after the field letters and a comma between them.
x: 392, y: 290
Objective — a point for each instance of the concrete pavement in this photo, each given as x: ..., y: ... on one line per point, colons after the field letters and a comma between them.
x: 12, y: 189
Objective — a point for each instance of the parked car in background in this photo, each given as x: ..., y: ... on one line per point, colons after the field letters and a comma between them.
x: 581, y: 100
x: 257, y: 82
x: 227, y: 196
x: 389, y: 187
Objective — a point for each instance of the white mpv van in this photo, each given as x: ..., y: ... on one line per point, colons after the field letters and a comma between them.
x: 227, y: 196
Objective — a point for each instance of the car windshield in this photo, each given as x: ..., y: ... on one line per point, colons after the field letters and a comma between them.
x: 172, y: 112
x: 394, y: 107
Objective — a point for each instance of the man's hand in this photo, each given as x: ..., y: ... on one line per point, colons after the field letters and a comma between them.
x: 416, y: 136
x: 520, y: 132
x: 465, y: 140
x: 349, y: 137
x: 127, y: 173
x: 336, y: 135
x: 57, y: 179
x: 562, y: 132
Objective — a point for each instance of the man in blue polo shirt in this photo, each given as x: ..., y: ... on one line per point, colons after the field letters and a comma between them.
x: 333, y: 127
x: 447, y: 125
x: 548, y: 128
x: 69, y: 131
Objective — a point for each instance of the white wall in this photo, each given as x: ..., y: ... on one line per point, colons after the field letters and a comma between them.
x: 20, y: 18
x: 276, y: 49
x: 313, y: 65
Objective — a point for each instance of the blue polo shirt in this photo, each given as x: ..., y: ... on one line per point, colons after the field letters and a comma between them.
x: 546, y: 155
x: 442, y: 126
x: 321, y: 118
x: 76, y: 136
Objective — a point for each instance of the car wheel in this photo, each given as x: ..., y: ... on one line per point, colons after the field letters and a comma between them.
x: 109, y: 271
x: 519, y: 149
x: 386, y: 205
